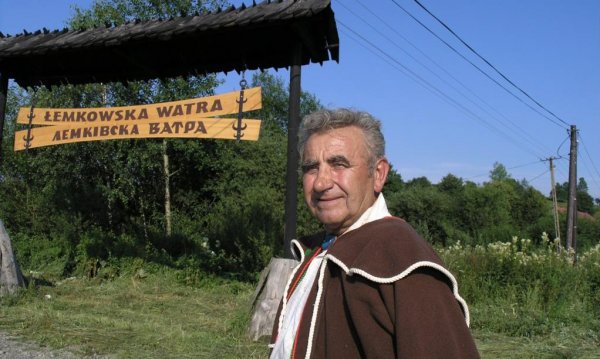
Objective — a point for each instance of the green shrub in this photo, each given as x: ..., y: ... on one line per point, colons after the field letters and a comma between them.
x: 39, y: 254
x: 526, y: 289
x: 589, y: 263
x: 588, y: 233
x: 243, y: 231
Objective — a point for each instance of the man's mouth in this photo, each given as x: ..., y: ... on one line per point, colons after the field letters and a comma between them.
x: 326, y: 201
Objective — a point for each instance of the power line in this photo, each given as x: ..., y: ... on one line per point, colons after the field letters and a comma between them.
x: 564, y: 175
x: 538, y: 176
x: 591, y: 161
x: 508, y: 169
x: 477, y: 67
x: 561, y: 144
x: 487, y: 62
x: 408, y: 72
x: 588, y: 154
x: 523, y: 165
x: 514, y: 129
x: 561, y: 157
x: 396, y: 64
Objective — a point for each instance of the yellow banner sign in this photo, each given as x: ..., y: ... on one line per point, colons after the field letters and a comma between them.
x: 184, y: 110
x: 222, y: 128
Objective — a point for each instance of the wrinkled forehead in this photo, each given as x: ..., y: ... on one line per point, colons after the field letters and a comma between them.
x: 342, y: 141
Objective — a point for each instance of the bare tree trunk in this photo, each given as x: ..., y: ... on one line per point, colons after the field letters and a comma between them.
x: 167, y: 188
x: 11, y: 278
x: 144, y: 222
x: 109, y: 200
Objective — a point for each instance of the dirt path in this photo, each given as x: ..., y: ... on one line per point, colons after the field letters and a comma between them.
x: 16, y: 348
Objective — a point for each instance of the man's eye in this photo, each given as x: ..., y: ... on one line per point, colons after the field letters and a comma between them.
x: 340, y: 165
x: 309, y: 168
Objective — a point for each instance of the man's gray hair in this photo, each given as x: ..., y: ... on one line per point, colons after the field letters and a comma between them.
x: 324, y: 120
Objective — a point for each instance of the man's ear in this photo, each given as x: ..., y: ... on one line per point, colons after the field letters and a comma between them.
x: 382, y: 167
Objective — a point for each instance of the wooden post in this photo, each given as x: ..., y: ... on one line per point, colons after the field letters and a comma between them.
x: 572, y: 203
x: 273, y: 279
x: 3, y: 97
x: 292, y: 153
x: 11, y: 278
x: 268, y: 295
x: 554, y: 202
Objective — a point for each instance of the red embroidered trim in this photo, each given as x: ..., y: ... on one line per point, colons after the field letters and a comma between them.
x: 302, y: 273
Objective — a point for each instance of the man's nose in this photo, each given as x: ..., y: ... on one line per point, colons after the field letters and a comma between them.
x: 323, y: 182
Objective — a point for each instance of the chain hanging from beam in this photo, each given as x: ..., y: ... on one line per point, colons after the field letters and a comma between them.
x: 28, y: 138
x: 240, y: 127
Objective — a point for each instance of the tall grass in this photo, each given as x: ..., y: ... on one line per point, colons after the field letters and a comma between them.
x: 526, y: 301
x: 532, y: 296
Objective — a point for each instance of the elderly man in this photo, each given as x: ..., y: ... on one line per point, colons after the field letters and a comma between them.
x: 369, y: 286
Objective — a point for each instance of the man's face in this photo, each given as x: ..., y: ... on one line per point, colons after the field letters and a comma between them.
x: 336, y: 180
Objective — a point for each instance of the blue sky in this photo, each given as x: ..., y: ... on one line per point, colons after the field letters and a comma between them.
x: 440, y: 114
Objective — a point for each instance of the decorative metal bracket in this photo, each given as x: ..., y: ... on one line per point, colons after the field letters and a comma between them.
x: 29, y: 137
x: 240, y: 127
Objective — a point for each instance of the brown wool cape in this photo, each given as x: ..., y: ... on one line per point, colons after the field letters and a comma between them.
x: 382, y: 292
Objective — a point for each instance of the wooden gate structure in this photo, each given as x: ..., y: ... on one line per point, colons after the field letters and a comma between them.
x: 272, y: 34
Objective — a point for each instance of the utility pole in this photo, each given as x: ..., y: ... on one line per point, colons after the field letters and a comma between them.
x: 572, y: 203
x: 554, y: 201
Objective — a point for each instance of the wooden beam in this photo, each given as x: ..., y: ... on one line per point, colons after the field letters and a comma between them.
x: 3, y: 97
x: 292, y: 152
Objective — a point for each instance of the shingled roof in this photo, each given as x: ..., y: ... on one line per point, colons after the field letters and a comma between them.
x: 257, y: 37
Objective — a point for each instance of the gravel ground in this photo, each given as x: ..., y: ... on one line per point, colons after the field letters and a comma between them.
x: 15, y: 348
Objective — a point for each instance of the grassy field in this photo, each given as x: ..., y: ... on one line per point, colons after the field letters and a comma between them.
x: 158, y: 315
x: 150, y: 317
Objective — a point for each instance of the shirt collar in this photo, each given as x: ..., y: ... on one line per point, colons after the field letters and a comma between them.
x: 377, y: 211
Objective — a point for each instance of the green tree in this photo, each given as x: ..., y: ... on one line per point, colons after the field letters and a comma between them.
x: 425, y: 208
x: 110, y: 195
x: 582, y: 185
x: 422, y: 182
x: 245, y: 224
x: 393, y: 182
x: 486, y: 212
x: 451, y: 184
x: 585, y: 202
x: 562, y: 191
x: 499, y: 172
x: 527, y: 208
